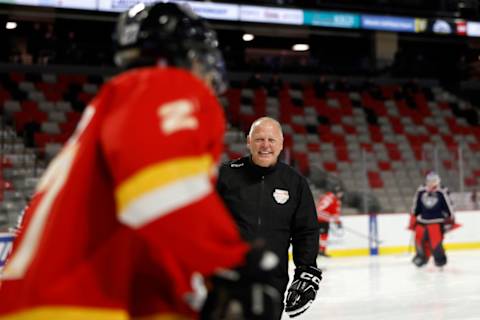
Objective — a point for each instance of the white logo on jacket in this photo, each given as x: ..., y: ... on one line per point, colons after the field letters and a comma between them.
x: 281, y: 196
x: 429, y: 200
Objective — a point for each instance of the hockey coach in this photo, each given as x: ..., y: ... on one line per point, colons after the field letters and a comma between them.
x: 272, y: 201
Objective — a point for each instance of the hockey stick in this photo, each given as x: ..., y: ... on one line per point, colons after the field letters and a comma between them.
x: 361, y: 235
x: 336, y: 230
x: 453, y: 227
x: 410, y: 243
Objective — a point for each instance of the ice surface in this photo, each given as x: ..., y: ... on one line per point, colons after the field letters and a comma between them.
x: 392, y: 288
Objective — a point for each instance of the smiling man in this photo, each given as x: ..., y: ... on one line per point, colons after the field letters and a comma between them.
x: 265, y: 142
x: 269, y: 200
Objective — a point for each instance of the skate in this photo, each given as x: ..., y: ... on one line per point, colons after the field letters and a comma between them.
x: 419, y: 261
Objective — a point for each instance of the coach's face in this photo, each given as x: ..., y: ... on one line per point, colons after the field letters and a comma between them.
x: 265, y: 143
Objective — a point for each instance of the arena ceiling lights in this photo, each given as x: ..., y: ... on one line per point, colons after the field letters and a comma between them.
x: 300, y: 47
x: 286, y: 16
x: 10, y: 25
x: 248, y: 37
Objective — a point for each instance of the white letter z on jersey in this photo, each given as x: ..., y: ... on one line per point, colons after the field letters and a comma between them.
x: 177, y: 115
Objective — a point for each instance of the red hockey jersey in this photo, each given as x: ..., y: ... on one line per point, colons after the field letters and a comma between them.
x: 126, y: 215
x: 328, y: 208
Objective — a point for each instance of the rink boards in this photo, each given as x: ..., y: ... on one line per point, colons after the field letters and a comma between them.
x: 5, y: 247
x: 394, y: 237
x: 358, y: 236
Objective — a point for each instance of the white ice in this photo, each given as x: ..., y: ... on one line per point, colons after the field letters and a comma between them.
x: 392, y: 288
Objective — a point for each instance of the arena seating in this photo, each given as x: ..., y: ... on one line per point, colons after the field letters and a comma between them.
x: 40, y: 111
x: 385, y: 137
x: 18, y: 174
x: 377, y: 137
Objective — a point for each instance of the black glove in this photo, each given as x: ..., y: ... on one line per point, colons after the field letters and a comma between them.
x: 449, y: 224
x: 303, y: 290
x: 245, y: 293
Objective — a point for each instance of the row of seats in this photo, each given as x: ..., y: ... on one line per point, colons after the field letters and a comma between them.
x: 380, y: 137
x: 19, y: 172
x: 386, y: 137
x: 45, y: 108
x: 39, y: 113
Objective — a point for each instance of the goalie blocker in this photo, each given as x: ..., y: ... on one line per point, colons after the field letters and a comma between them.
x: 303, y: 290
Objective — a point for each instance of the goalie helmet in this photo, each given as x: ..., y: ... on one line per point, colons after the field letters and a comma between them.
x: 432, y: 180
x: 168, y: 34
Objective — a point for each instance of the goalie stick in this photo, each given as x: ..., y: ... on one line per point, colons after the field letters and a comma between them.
x: 361, y: 235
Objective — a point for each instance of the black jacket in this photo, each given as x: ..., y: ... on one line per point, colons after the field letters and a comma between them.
x: 274, y: 204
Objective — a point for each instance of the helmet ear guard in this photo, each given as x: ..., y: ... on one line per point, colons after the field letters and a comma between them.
x: 169, y: 34
x: 211, y: 66
x: 338, y: 190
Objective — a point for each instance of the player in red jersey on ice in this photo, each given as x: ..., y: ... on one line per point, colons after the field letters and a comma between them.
x: 126, y: 221
x: 329, y: 206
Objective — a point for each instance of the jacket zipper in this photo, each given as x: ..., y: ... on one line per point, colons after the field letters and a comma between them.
x: 262, y: 187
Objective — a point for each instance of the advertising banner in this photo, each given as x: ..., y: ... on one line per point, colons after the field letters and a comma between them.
x: 473, y: 29
x: 6, y: 240
x: 388, y: 23
x: 331, y: 19
x: 271, y: 15
x: 215, y: 11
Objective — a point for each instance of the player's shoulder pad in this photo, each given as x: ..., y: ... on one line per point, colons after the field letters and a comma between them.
x: 444, y: 190
x: 422, y: 188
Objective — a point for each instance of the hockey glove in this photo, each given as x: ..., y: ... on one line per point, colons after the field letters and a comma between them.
x: 449, y: 224
x: 412, y: 223
x: 245, y: 293
x: 303, y: 290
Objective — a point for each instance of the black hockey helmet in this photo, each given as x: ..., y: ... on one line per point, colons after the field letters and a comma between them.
x: 168, y: 34
x: 338, y: 190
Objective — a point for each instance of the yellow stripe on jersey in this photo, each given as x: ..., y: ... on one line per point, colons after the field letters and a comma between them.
x: 76, y: 313
x: 67, y: 313
x: 162, y: 188
x: 170, y: 316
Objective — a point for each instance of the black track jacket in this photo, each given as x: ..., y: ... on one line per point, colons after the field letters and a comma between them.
x: 274, y: 204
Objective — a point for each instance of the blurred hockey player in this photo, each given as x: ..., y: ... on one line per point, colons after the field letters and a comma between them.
x: 329, y: 206
x: 126, y: 223
x: 432, y: 213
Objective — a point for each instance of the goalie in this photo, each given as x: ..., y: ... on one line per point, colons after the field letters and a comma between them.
x: 432, y: 214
